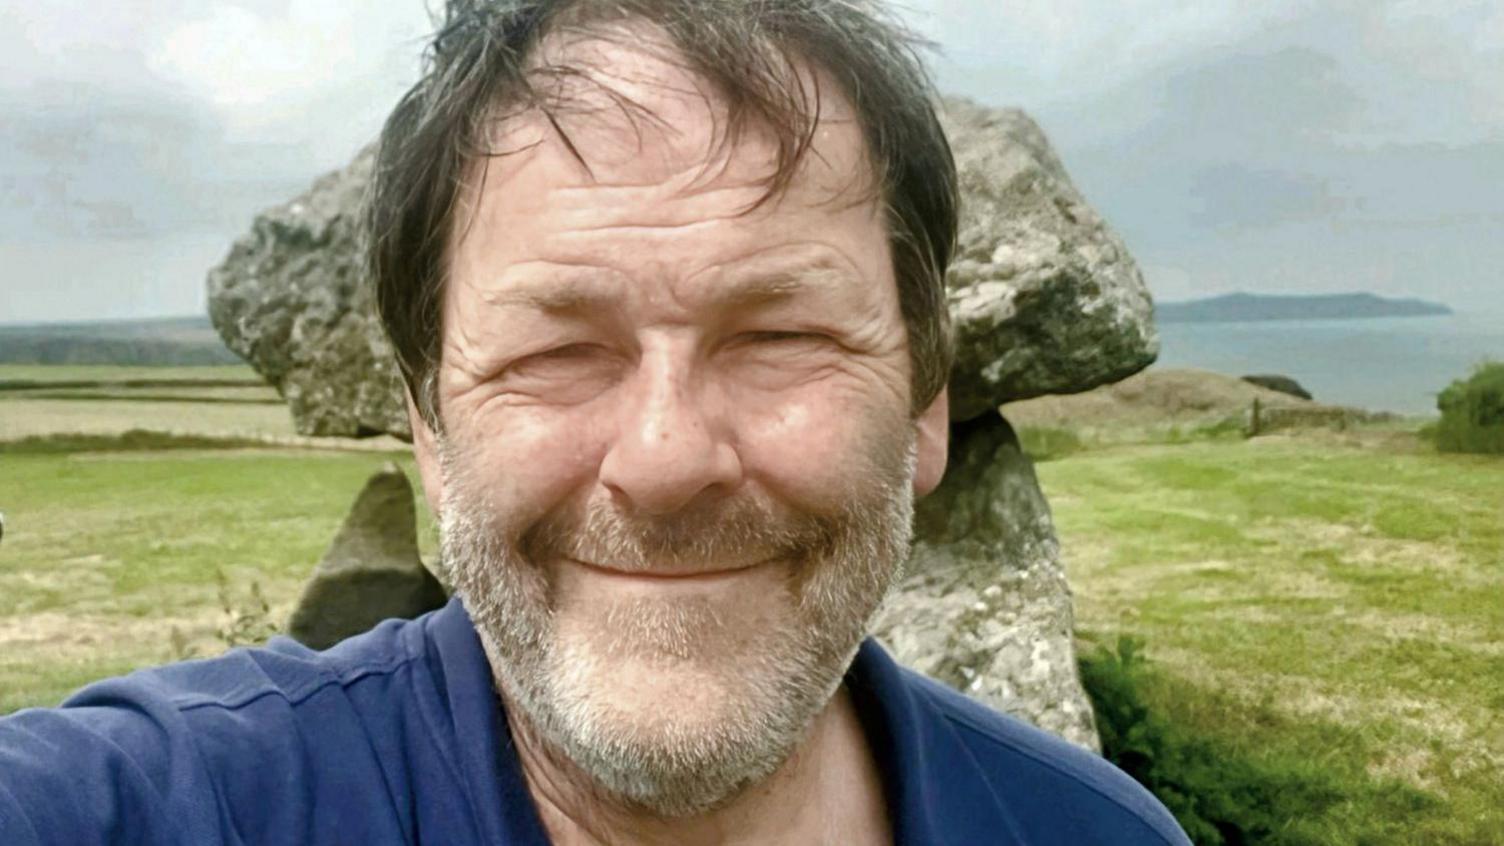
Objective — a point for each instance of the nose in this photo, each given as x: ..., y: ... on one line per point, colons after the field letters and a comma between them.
x: 669, y: 450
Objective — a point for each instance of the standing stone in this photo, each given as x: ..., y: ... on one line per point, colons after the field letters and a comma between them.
x: 372, y: 570
x: 291, y: 299
x: 1045, y: 297
x: 985, y: 606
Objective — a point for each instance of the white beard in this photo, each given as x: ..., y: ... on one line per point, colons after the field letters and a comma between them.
x: 721, y: 694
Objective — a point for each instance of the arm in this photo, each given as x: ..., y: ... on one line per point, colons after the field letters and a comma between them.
x: 116, y: 764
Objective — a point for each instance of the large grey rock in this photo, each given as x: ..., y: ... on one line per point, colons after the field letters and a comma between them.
x: 372, y: 570
x: 1045, y: 297
x: 290, y: 299
x: 985, y: 606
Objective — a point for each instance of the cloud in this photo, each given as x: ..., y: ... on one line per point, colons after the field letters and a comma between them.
x: 99, y: 167
x: 1451, y: 53
x: 278, y: 69
x: 138, y: 119
x: 1285, y: 142
x: 1043, y: 52
x: 1233, y: 196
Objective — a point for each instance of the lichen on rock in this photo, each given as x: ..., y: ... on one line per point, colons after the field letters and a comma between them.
x: 1044, y: 297
x: 985, y: 606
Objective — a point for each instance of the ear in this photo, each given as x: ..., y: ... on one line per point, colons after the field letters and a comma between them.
x: 932, y: 431
x: 426, y: 454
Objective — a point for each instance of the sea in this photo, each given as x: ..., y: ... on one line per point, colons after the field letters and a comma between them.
x: 1396, y: 364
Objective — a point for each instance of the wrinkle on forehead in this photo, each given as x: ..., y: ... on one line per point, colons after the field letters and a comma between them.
x: 746, y: 281
x: 619, y: 108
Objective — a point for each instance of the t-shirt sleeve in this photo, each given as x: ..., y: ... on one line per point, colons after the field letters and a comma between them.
x: 115, y: 765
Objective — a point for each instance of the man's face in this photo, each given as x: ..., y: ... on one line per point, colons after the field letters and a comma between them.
x: 678, y: 465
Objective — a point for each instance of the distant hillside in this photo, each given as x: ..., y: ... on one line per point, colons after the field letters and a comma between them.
x: 1249, y: 307
x: 1151, y: 397
x: 160, y: 341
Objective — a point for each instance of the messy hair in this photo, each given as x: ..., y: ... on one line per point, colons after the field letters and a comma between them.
x: 484, y: 61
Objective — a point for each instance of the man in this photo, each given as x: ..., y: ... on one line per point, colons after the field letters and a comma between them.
x: 664, y: 278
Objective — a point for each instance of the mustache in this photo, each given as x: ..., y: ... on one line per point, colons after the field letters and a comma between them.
x: 745, y: 530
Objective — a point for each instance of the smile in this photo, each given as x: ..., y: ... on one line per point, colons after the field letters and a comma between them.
x: 651, y: 576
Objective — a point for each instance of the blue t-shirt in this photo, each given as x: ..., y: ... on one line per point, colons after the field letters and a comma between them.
x: 396, y: 737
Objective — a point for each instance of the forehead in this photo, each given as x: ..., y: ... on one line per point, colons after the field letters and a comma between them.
x: 618, y: 108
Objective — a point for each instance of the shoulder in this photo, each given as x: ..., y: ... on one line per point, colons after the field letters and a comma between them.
x: 307, y: 717
x: 213, y: 745
x: 283, y: 670
x: 1038, y: 771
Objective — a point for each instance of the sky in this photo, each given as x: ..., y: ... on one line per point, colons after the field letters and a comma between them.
x: 1282, y: 146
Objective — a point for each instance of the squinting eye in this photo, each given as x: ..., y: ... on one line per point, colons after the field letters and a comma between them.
x: 572, y: 361
x: 775, y: 337
x: 572, y: 351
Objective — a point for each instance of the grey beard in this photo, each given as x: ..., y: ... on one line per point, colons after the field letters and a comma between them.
x: 844, y: 564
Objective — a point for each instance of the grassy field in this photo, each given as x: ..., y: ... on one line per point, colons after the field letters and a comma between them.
x: 23, y: 417
x: 1332, y: 601
x: 44, y: 399
x: 113, y: 373
x: 114, y: 541
x: 105, y: 553
x: 1328, y: 606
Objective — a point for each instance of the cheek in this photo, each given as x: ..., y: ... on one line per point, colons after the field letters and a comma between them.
x: 531, y: 459
x: 812, y: 450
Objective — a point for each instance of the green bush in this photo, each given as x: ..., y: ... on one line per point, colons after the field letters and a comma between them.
x: 1472, y: 412
x: 1218, y: 795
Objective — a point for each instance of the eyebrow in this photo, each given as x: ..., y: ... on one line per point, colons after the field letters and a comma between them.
x: 556, y: 295
x: 578, y: 292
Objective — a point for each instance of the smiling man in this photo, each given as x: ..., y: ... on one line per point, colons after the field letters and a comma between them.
x: 665, y: 280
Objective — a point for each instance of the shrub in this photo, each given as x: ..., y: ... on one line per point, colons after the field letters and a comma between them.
x: 247, y: 622
x: 1218, y: 795
x: 1472, y: 412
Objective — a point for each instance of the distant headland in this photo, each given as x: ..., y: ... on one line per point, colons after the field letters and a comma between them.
x: 1231, y: 308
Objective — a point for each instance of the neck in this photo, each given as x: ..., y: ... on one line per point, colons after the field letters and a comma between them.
x: 828, y: 791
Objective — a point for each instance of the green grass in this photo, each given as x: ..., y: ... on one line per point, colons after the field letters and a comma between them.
x: 1226, y: 794
x: 42, y: 400
x: 1047, y: 443
x: 133, y: 440
x: 1303, y: 600
x: 105, y: 553
x: 112, y: 373
x: 25, y: 417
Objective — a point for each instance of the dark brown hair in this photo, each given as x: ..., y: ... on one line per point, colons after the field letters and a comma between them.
x: 482, y: 63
